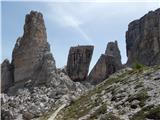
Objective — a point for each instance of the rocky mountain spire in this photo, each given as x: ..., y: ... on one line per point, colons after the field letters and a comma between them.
x: 102, y: 69
x: 143, y: 40
x: 30, y: 50
x: 107, y: 64
x: 113, y: 50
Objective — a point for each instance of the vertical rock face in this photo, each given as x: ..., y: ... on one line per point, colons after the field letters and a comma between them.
x: 143, y: 40
x: 113, y: 50
x: 78, y: 62
x: 103, y: 68
x: 107, y: 64
x: 30, y: 50
x: 6, y: 75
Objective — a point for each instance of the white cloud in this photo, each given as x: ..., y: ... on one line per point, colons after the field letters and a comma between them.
x: 70, y: 21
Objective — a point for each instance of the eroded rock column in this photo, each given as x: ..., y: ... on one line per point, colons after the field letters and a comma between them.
x: 30, y: 50
x: 79, y: 59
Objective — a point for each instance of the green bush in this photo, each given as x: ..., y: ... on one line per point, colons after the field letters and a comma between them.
x: 138, y: 66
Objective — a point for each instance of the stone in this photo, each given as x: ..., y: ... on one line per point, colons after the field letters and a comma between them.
x: 44, y: 71
x: 6, y: 75
x: 28, y: 115
x: 104, y: 67
x: 143, y: 40
x: 78, y: 62
x: 113, y: 50
x: 6, y: 115
x: 31, y: 55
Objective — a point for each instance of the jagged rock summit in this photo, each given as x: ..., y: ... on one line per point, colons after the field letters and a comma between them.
x: 31, y: 57
x: 79, y: 59
x: 107, y: 64
x: 143, y: 40
x: 113, y: 50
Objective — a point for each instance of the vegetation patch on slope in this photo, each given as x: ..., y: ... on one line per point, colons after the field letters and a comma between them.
x: 122, y: 96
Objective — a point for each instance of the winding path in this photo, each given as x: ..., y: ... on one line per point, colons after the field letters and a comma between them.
x: 52, y: 117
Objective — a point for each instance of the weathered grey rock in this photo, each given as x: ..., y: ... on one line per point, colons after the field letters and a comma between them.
x: 143, y: 40
x: 6, y: 75
x: 113, y: 50
x: 6, y: 115
x: 44, y: 72
x: 28, y: 115
x: 31, y: 55
x: 104, y: 67
x: 35, y: 102
x: 78, y: 62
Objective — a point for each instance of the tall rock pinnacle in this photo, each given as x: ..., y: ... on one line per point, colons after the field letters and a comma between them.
x: 143, y: 40
x: 107, y: 64
x: 113, y: 50
x: 104, y: 67
x: 78, y: 62
x: 30, y: 50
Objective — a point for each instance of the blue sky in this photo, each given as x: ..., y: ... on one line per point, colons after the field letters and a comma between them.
x: 73, y: 23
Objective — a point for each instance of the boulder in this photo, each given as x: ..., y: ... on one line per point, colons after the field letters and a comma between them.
x: 6, y: 75
x: 6, y: 115
x: 78, y: 62
x: 31, y: 51
x: 143, y: 40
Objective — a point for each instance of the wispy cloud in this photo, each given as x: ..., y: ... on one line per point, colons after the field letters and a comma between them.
x: 63, y: 16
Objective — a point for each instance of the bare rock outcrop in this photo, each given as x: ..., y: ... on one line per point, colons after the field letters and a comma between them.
x: 78, y: 62
x: 107, y: 64
x: 113, y: 50
x: 143, y: 40
x: 31, y: 51
x: 103, y: 68
x: 6, y: 75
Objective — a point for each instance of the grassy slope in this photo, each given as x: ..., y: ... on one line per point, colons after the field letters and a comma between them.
x: 84, y: 104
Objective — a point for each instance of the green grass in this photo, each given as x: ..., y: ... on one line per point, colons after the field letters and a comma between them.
x: 141, y: 96
x: 84, y: 104
x: 139, y: 84
x: 101, y: 110
x: 149, y: 112
x: 110, y: 116
x: 138, y: 66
